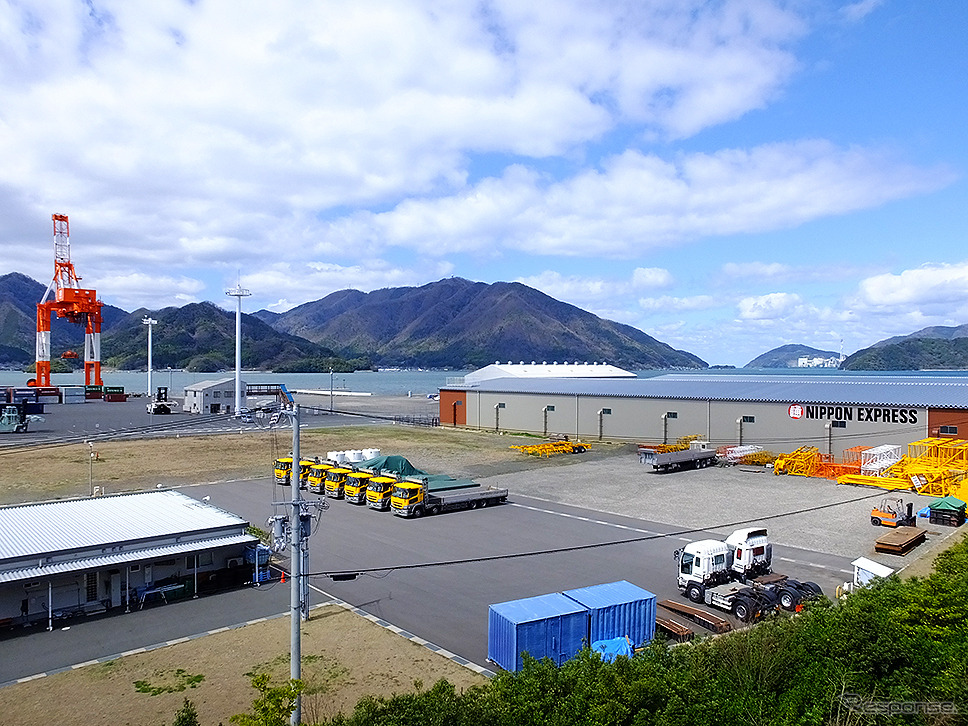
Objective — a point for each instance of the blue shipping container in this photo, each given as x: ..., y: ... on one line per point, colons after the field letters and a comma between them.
x: 551, y: 626
x: 616, y: 610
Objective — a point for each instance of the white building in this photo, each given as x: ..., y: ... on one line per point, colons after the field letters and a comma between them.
x: 84, y: 556
x: 213, y: 396
x: 545, y: 370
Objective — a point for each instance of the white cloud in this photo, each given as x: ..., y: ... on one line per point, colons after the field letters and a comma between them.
x: 674, y: 305
x: 760, y: 270
x: 640, y: 202
x: 598, y: 294
x: 932, y: 294
x: 136, y: 289
x: 857, y: 11
x: 768, y: 307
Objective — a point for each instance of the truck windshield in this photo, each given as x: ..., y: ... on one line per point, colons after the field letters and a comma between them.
x: 401, y: 493
x: 685, y: 564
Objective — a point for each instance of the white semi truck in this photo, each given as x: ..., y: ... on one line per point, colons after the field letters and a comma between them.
x: 736, y: 576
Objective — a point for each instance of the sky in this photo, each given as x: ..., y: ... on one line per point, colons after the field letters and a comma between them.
x: 726, y: 176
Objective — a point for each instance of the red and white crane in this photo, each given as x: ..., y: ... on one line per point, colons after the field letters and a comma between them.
x: 71, y: 301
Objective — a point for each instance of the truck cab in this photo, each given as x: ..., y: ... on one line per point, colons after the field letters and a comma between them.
x: 378, y: 491
x: 335, y: 479
x: 702, y: 564
x: 354, y: 489
x: 282, y: 469
x: 304, y: 466
x: 751, y: 553
x: 408, y: 498
x: 317, y: 477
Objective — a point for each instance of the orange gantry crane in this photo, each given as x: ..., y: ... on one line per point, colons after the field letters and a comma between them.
x: 80, y: 306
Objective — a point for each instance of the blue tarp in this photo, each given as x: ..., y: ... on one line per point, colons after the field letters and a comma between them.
x: 610, y: 649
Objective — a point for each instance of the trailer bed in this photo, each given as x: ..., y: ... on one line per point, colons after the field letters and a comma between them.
x: 901, y: 541
x: 704, y: 618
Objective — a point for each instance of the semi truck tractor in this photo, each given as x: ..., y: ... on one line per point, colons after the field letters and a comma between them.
x: 736, y: 576
x: 335, y: 479
x: 13, y: 418
x: 282, y: 470
x: 317, y: 477
x: 378, y: 491
x: 354, y: 488
x: 414, y: 497
x: 698, y: 455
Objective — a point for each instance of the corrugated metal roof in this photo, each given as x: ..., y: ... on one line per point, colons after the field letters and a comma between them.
x: 540, y: 607
x: 546, y: 370
x: 922, y: 391
x: 33, y: 530
x: 120, y: 558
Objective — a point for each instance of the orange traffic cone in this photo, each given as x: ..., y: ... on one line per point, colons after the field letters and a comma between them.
x: 283, y: 577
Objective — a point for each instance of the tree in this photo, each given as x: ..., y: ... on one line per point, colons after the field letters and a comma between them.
x: 186, y: 715
x: 275, y: 704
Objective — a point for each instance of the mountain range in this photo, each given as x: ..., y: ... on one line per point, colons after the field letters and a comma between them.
x: 934, y: 348
x: 786, y: 356
x: 451, y: 323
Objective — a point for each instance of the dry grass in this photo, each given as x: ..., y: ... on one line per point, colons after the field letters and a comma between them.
x: 344, y: 658
x: 59, y: 472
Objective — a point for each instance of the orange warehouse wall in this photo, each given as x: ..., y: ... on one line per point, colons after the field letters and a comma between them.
x: 948, y: 417
x: 449, y: 411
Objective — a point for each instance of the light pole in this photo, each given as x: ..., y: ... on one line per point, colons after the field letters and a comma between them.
x: 238, y: 293
x: 330, y: 390
x: 150, y: 322
x: 91, y: 475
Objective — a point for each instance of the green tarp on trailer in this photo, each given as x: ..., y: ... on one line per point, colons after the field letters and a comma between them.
x: 949, y: 504
x: 398, y: 465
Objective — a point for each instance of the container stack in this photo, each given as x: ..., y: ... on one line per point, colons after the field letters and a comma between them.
x: 558, y: 625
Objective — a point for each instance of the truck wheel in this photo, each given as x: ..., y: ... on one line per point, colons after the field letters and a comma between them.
x: 875, y: 521
x: 694, y: 593
x: 483, y: 503
x: 433, y: 510
x: 788, y: 601
x: 742, y: 610
x: 814, y: 588
x: 472, y: 505
x: 418, y: 512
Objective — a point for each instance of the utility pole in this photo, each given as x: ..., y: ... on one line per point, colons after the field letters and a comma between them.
x: 298, y: 531
x: 238, y: 293
x: 150, y: 322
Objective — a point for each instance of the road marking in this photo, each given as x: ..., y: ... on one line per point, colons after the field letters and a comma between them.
x: 615, y: 525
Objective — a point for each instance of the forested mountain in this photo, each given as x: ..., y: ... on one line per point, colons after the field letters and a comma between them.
x: 786, y: 356
x: 932, y: 348
x: 456, y: 322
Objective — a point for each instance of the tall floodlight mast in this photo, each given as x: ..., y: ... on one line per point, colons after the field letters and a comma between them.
x: 71, y: 301
x: 238, y: 293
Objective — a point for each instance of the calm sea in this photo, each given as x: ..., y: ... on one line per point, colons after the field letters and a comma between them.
x: 386, y: 382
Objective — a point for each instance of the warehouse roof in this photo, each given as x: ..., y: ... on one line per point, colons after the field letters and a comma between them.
x: 546, y: 370
x: 101, y: 525
x: 905, y: 390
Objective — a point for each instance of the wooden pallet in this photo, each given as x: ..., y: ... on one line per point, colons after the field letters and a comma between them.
x: 703, y: 618
x: 899, y: 542
x: 675, y: 630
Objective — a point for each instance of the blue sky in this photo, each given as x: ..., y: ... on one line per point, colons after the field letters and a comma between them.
x: 725, y: 176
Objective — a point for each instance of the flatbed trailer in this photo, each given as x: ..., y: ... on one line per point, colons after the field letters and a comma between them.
x: 696, y: 456
x: 414, y: 499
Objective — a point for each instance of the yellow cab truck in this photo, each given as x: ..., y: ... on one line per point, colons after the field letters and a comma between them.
x: 414, y: 497
x: 304, y: 466
x: 378, y: 492
x: 317, y: 477
x: 335, y: 480
x: 354, y: 488
x: 282, y: 469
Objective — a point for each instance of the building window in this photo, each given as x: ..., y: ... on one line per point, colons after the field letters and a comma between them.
x: 549, y: 408
x: 949, y: 430
x: 749, y: 419
x: 606, y: 411
x: 672, y: 414
x: 838, y: 424
x: 216, y: 394
x: 501, y: 405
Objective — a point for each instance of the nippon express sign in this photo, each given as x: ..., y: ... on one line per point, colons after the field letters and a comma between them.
x: 872, y: 414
